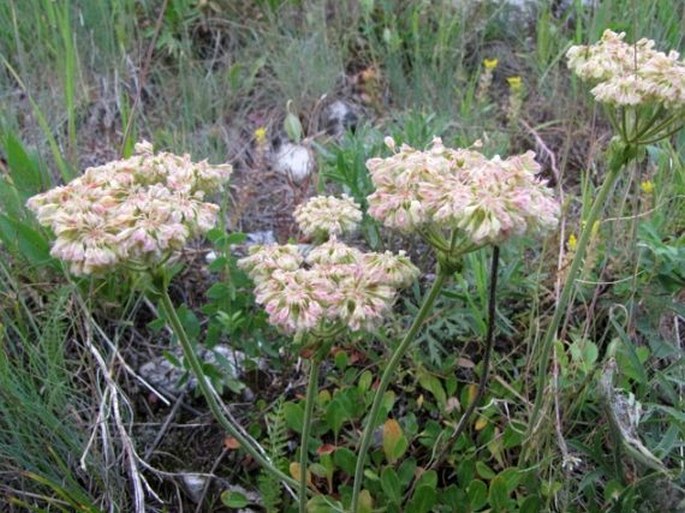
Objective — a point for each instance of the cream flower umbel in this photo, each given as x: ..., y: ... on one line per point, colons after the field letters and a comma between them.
x: 137, y: 211
x: 630, y: 74
x: 328, y: 216
x: 335, y: 285
x: 441, y: 189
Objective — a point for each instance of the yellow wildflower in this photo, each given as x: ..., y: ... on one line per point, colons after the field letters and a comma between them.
x: 647, y: 187
x: 572, y: 242
x: 490, y: 63
x: 515, y: 83
x: 260, y: 135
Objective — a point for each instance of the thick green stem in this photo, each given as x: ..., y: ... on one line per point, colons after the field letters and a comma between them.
x: 620, y: 157
x: 371, y: 419
x: 312, y: 388
x: 214, y: 406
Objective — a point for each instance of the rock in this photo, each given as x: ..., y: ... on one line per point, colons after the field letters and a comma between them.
x: 163, y: 375
x: 194, y: 485
x: 294, y: 161
x: 263, y: 238
x: 340, y: 116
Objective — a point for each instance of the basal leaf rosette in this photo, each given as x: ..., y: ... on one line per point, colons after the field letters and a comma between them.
x: 333, y: 286
x: 462, y: 193
x: 138, y: 211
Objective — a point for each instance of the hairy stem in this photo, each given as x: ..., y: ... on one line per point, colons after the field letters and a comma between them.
x: 371, y: 419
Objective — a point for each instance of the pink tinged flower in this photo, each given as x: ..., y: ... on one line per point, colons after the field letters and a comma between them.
x: 621, y: 91
x: 264, y: 260
x: 394, y: 270
x: 172, y: 236
x: 207, y: 216
x: 630, y: 74
x: 333, y: 252
x: 68, y: 250
x: 210, y: 178
x: 292, y: 300
x: 328, y: 215
x: 98, y: 258
x: 125, y: 209
x: 362, y: 303
x: 141, y: 240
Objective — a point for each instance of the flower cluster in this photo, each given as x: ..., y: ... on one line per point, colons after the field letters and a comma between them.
x: 446, y: 189
x: 328, y: 216
x: 139, y: 210
x: 334, y: 284
x: 630, y: 75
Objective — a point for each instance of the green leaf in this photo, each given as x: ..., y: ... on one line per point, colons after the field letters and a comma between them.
x: 365, y: 381
x: 292, y: 125
x: 336, y: 414
x: 484, y: 471
x: 531, y: 504
x: 365, y: 502
x: 466, y: 470
x: 219, y: 291
x: 218, y: 264
x: 341, y: 360
x: 612, y: 490
x: 499, y: 495
x: 318, y: 470
x: 391, y: 485
x: 10, y: 202
x: 511, y: 477
x: 433, y: 385
x: 234, y: 500
x: 406, y: 471
x: 190, y: 322
x: 452, y: 496
x: 513, y: 436
x: 323, y: 504
x: 234, y: 238
x: 394, y: 442
x: 477, y: 493
x: 25, y: 172
x: 387, y: 404
x: 345, y: 460
x: 428, y: 478
x: 294, y: 416
x: 28, y: 242
x: 171, y: 358
x: 423, y: 500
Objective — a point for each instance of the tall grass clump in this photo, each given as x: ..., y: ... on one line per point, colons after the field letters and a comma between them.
x: 44, y: 415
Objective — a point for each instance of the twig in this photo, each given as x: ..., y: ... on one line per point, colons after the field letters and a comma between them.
x: 205, y: 488
x: 165, y: 426
x: 127, y: 445
x: 127, y: 367
x: 111, y: 402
